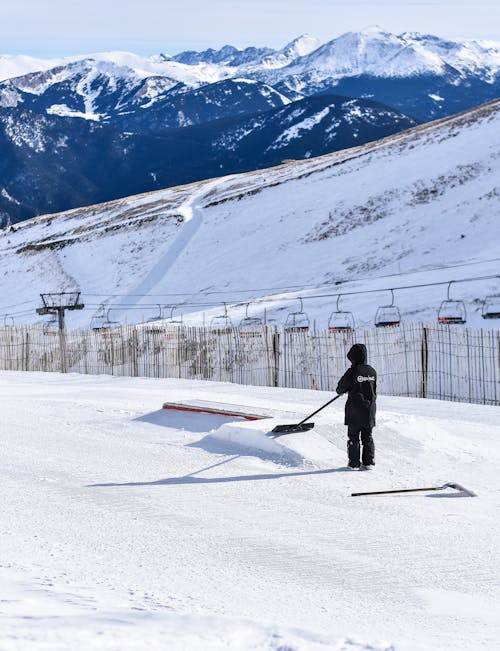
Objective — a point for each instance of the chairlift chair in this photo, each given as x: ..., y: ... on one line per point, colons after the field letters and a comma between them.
x: 101, y: 321
x: 222, y: 323
x: 388, y: 315
x: 158, y: 317
x: 51, y: 327
x: 452, y: 312
x: 175, y: 325
x: 491, y: 307
x: 250, y: 326
x: 97, y: 321
x: 171, y: 320
x: 155, y: 323
x: 340, y: 320
x: 297, y: 321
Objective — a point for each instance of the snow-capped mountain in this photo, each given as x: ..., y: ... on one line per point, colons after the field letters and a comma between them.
x: 417, y: 207
x: 105, y: 91
x: 227, y: 56
x: 53, y: 163
x: 371, y: 51
x: 420, y: 75
x: 87, y: 88
x: 232, y: 95
x: 367, y: 61
x: 251, y: 57
x: 374, y: 51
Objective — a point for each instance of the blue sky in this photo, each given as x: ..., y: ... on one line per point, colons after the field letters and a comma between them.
x: 60, y: 27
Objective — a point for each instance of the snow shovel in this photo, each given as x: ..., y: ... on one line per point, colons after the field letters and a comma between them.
x: 303, y: 426
x: 457, y: 487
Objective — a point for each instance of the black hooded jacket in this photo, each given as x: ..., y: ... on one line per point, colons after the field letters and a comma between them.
x: 360, y: 381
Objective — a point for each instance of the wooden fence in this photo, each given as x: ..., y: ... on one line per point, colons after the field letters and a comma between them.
x: 430, y: 361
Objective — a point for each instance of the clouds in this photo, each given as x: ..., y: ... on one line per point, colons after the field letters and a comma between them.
x: 56, y: 27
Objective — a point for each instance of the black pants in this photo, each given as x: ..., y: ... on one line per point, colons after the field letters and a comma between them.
x: 353, y: 448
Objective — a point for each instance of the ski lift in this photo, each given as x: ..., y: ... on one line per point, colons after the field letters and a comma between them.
x: 97, y: 321
x: 51, y: 327
x: 175, y: 327
x: 388, y: 315
x: 171, y: 320
x: 101, y: 321
x: 155, y: 323
x: 159, y: 316
x: 297, y: 321
x: 491, y: 307
x: 340, y: 320
x: 250, y: 326
x: 222, y: 323
x: 5, y: 321
x: 452, y: 311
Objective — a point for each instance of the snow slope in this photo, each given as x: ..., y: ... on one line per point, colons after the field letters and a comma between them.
x: 128, y: 527
x: 418, y: 207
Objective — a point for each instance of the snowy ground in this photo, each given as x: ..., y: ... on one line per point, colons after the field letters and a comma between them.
x: 128, y: 527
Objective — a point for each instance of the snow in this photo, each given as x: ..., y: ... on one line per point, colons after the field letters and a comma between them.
x: 16, y: 65
x: 304, y: 125
x: 371, y: 51
x: 65, y: 111
x: 29, y: 134
x: 128, y: 527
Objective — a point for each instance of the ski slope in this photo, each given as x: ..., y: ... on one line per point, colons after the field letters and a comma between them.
x: 416, y: 208
x: 125, y: 526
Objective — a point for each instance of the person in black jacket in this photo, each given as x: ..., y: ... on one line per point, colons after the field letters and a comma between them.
x: 360, y: 382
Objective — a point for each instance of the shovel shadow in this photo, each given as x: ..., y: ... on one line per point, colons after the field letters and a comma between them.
x: 190, y: 479
x: 448, y: 495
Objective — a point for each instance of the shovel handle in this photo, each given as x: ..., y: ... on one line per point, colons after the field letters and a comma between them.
x: 402, y: 490
x: 318, y: 410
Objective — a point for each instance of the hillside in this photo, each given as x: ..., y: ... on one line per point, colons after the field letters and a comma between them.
x: 53, y: 163
x: 418, y: 207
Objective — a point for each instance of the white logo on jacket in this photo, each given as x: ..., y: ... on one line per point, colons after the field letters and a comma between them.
x: 367, y: 378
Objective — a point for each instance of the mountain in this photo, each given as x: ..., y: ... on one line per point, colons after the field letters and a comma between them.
x: 230, y: 101
x: 183, y: 106
x: 417, y: 207
x: 422, y: 76
x: 227, y: 56
x: 251, y: 57
x: 52, y: 163
x: 107, y: 92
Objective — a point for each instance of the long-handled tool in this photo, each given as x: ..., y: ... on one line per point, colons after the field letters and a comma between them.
x: 303, y: 426
x: 457, y: 487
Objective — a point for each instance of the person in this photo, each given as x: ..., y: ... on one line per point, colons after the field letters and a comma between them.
x: 360, y: 382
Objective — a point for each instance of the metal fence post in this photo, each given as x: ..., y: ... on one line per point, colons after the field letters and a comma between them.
x: 276, y: 358
x: 425, y: 361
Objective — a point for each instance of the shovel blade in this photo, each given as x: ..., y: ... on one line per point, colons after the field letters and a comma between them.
x: 461, y: 488
x: 291, y: 429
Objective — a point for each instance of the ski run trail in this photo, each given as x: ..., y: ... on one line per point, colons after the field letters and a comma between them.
x: 125, y: 526
x: 191, y: 211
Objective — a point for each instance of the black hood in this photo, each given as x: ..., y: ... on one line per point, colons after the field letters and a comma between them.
x: 357, y: 354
